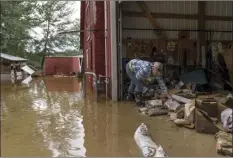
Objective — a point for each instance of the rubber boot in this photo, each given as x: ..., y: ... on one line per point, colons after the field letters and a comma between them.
x: 138, y: 99
x: 130, y: 97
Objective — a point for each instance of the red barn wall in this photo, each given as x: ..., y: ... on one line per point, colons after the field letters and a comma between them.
x: 64, y: 65
x: 93, y: 41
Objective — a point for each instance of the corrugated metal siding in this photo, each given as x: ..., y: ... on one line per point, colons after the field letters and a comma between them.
x: 219, y: 8
x: 220, y: 25
x: 223, y: 8
x: 182, y: 7
x: 178, y: 7
x: 129, y: 22
x: 94, y: 40
x: 99, y: 41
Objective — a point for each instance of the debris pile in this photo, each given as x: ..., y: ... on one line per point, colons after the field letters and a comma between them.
x: 205, y: 113
x: 224, y: 143
x: 60, y: 75
x: 226, y: 118
x: 154, y: 108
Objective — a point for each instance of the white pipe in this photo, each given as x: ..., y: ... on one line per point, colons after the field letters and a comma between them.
x: 105, y: 42
x: 113, y: 51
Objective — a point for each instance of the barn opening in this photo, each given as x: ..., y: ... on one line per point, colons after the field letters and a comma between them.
x: 190, y: 35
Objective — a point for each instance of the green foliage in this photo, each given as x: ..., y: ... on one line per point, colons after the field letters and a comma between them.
x: 16, y: 22
x: 20, y: 19
x: 54, y: 16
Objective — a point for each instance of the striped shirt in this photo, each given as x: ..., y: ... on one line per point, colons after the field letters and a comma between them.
x: 143, y: 71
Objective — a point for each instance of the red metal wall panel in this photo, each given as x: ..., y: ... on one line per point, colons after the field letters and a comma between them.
x: 76, y: 66
x: 94, y: 41
x: 64, y: 65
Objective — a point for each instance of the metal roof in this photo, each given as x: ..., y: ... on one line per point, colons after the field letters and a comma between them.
x: 12, y: 58
x: 79, y: 56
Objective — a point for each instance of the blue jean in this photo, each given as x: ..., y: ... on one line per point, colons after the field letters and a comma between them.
x: 136, y: 86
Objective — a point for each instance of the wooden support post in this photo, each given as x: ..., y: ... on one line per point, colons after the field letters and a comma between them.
x: 201, y: 22
x: 152, y: 20
x: 201, y: 26
x: 13, y: 73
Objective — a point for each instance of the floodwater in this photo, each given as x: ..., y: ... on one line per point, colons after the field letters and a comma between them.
x: 50, y: 118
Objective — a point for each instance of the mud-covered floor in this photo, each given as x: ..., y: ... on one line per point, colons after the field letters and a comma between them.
x: 50, y: 118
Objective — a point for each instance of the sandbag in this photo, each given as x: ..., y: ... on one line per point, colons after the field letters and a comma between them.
x: 148, y: 147
x: 226, y: 118
x: 172, y: 104
x: 224, y: 143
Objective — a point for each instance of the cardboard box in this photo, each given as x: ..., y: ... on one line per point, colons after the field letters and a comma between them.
x: 203, y: 124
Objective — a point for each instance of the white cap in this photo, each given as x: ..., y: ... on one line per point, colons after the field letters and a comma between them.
x: 158, y: 66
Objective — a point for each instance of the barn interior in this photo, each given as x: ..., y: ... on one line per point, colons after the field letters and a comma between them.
x: 194, y: 38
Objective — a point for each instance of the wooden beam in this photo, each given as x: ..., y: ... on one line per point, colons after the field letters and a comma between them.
x: 177, y: 16
x: 219, y: 18
x: 161, y: 15
x: 152, y: 20
x: 201, y: 21
x: 201, y: 26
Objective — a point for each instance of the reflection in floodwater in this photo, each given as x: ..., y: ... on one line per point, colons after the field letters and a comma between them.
x: 61, y: 120
x: 50, y: 118
x: 58, y: 115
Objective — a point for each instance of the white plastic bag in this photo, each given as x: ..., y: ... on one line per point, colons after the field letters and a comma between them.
x: 226, y: 118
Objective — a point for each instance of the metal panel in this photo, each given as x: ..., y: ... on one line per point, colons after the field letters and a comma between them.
x: 64, y: 65
x: 12, y: 58
x: 130, y: 6
x: 178, y: 7
x: 28, y: 69
x: 219, y: 8
x: 220, y: 25
x: 143, y: 23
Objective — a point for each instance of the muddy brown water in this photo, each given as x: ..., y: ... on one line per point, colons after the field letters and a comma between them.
x: 51, y: 118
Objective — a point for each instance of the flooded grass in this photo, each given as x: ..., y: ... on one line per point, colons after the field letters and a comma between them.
x: 50, y: 118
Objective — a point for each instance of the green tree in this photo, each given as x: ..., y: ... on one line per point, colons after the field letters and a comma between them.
x: 72, y: 37
x: 16, y: 21
x: 54, y: 16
